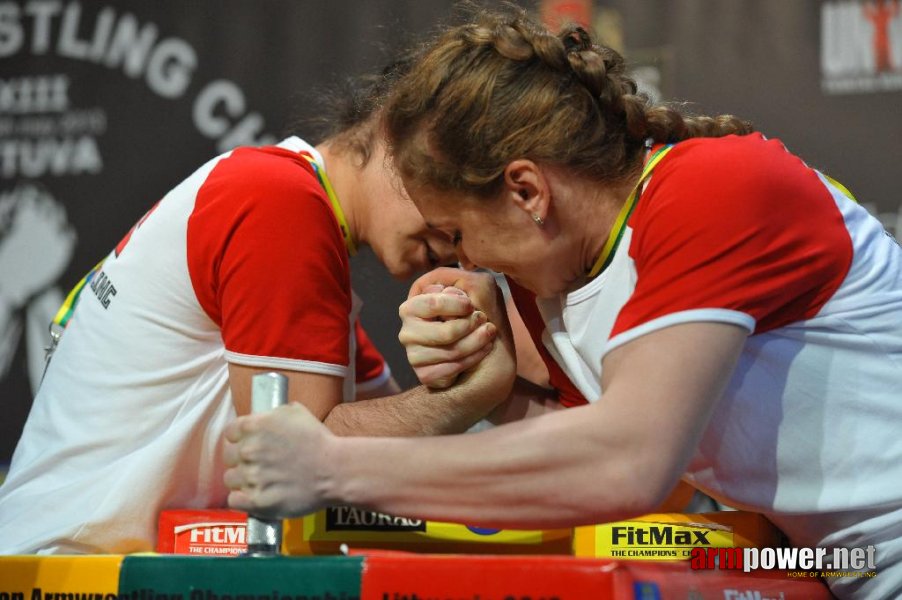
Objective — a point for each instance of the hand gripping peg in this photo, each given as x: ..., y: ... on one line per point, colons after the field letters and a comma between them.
x: 264, y: 536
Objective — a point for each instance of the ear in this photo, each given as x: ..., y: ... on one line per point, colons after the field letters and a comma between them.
x: 527, y: 187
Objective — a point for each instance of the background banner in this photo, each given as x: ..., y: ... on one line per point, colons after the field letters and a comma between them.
x: 105, y: 105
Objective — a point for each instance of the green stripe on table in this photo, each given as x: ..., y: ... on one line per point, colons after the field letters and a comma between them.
x: 240, y: 578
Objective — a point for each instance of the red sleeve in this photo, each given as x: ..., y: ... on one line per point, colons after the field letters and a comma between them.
x: 268, y: 263
x: 525, y: 301
x: 729, y: 227
x: 369, y: 362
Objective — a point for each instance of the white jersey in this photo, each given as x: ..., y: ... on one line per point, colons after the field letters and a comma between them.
x: 737, y: 230
x: 242, y: 263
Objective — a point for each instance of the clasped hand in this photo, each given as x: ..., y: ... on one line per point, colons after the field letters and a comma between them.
x: 450, y: 323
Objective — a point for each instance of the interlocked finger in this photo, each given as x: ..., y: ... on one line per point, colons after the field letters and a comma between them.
x: 439, y: 333
x: 444, y: 375
x: 419, y: 355
x: 436, y: 306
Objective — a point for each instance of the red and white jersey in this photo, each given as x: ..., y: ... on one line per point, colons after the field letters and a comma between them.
x: 738, y: 230
x: 241, y: 263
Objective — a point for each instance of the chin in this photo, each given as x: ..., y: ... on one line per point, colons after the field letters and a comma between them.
x: 527, y: 285
x: 546, y: 292
x: 403, y: 272
x: 401, y: 275
x: 541, y: 289
x: 397, y: 267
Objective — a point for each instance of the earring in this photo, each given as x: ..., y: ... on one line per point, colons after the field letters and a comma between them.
x: 538, y: 220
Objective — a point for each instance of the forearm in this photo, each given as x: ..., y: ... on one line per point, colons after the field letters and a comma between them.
x: 416, y: 412
x: 613, y: 459
x: 421, y: 411
x: 427, y: 411
x: 527, y: 400
x: 559, y: 470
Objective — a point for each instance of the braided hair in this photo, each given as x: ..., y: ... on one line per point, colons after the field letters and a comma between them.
x: 503, y: 87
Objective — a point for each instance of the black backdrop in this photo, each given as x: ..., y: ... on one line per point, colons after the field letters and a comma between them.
x: 105, y: 105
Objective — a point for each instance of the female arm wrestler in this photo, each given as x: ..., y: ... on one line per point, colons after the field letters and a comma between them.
x: 241, y: 268
x: 727, y: 310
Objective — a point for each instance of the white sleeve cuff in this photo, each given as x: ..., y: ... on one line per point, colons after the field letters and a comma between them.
x: 287, y: 364
x: 376, y: 382
x: 717, y: 315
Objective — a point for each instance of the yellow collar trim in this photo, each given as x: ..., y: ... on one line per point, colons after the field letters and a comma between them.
x: 333, y: 200
x: 607, y: 252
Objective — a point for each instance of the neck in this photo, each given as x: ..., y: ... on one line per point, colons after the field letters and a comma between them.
x: 343, y: 174
x: 600, y: 219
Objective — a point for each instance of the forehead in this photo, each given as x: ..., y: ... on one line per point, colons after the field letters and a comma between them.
x: 433, y: 204
x: 443, y: 209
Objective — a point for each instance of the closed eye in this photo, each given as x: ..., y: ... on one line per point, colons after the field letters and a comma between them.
x: 432, y: 256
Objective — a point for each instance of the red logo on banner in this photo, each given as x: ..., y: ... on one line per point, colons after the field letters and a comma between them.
x: 880, y: 14
x: 860, y: 47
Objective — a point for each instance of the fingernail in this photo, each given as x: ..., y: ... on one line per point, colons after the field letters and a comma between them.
x: 454, y: 290
x: 480, y: 317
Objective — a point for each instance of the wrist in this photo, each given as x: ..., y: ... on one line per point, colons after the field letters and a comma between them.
x: 330, y: 474
x: 493, y: 380
x: 356, y: 474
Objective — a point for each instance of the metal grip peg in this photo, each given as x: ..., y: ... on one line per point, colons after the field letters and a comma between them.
x: 264, y: 536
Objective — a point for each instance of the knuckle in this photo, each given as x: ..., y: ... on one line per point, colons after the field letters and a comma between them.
x: 249, y: 452
x: 448, y: 334
x: 416, y: 358
x: 433, y: 302
x: 428, y: 374
x: 405, y: 309
x: 440, y: 336
x: 247, y: 425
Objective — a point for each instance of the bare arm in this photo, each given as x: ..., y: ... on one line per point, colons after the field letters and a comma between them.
x: 319, y: 393
x: 488, y: 376
x: 527, y: 400
x: 576, y: 466
x: 415, y: 412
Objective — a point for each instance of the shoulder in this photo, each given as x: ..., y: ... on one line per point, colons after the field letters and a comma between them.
x: 735, y: 181
x: 268, y: 184
x: 736, y: 223
x: 731, y: 162
x: 749, y: 164
x: 269, y: 172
